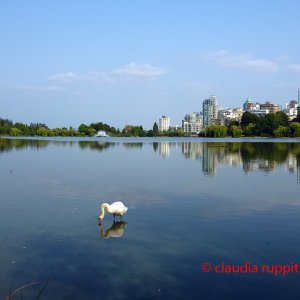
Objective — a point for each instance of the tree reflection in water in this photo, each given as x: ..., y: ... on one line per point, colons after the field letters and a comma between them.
x: 258, y: 155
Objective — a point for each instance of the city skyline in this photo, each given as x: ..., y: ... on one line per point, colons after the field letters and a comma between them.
x: 67, y: 63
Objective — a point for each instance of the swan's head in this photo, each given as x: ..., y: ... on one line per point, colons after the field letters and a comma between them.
x: 99, y: 219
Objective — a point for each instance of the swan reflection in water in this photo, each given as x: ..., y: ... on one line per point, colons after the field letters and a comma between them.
x: 116, y: 230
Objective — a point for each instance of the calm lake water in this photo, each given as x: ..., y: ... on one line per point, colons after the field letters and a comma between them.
x: 191, y: 202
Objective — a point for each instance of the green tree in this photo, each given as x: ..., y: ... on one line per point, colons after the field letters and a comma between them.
x: 282, y: 118
x: 248, y: 118
x: 155, y: 129
x: 84, y: 129
x: 91, y: 131
x: 233, y: 123
x: 114, y: 131
x: 56, y: 131
x: 42, y: 131
x: 33, y: 128
x: 150, y: 133
x: 130, y: 130
x: 295, y: 129
x: 64, y: 131
x: 73, y: 132
x: 6, y: 122
x: 281, y: 131
x: 267, y: 124
x: 215, y: 131
x: 249, y: 130
x: 236, y: 131
x: 5, y: 126
x: 50, y: 132
x: 23, y: 127
x: 15, y: 131
x: 173, y: 132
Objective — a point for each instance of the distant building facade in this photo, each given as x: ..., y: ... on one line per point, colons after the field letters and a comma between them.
x: 192, y: 124
x: 230, y: 114
x: 259, y: 112
x: 163, y: 124
x: 273, y: 108
x: 260, y: 109
x: 248, y: 105
x: 210, y: 110
x: 291, y: 109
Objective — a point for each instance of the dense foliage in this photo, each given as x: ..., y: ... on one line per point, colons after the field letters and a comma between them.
x: 269, y: 125
x: 215, y: 131
x: 276, y: 125
x: 7, y: 127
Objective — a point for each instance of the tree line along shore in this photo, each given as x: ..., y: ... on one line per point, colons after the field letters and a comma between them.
x: 7, y: 127
x: 270, y: 125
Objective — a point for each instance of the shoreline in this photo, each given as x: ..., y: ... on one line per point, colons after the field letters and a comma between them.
x: 154, y: 139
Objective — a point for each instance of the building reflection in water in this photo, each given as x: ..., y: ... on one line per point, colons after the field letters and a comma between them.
x: 263, y: 157
x: 292, y: 165
x: 261, y: 165
x: 211, y: 154
x: 210, y: 160
x: 298, y: 168
x: 192, y: 150
x: 164, y: 148
x: 252, y: 156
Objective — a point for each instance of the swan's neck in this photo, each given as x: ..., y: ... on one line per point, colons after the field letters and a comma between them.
x: 103, y: 206
x: 103, y: 234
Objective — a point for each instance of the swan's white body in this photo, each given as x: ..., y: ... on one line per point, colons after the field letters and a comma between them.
x: 116, y: 208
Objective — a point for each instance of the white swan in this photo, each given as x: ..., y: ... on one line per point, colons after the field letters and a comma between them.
x: 116, y: 208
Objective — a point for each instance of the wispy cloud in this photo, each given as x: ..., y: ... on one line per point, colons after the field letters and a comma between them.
x: 59, y: 82
x: 294, y: 68
x: 143, y: 71
x: 197, y: 86
x: 245, y: 62
x: 39, y: 88
x: 132, y: 70
x: 91, y: 77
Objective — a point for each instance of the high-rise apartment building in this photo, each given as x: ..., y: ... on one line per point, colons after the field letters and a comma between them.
x: 210, y: 110
x: 192, y: 124
x: 164, y: 124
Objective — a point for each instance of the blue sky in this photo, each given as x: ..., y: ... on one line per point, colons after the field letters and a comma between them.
x: 129, y: 62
